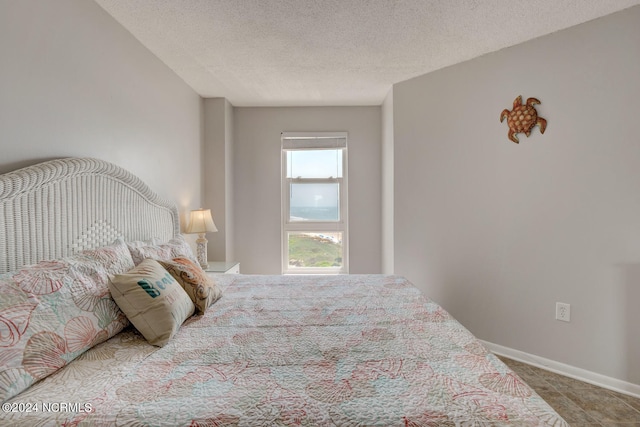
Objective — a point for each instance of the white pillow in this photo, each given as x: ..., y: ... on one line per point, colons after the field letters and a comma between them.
x: 174, y: 248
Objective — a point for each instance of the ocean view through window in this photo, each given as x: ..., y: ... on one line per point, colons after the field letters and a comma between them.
x: 314, y: 203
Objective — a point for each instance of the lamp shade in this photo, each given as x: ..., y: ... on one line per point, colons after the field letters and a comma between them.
x: 200, y: 221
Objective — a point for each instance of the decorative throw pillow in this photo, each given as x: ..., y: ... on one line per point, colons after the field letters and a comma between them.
x: 176, y: 247
x: 53, y: 311
x: 202, y: 290
x: 152, y: 300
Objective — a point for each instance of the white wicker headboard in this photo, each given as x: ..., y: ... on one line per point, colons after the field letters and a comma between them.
x: 56, y: 208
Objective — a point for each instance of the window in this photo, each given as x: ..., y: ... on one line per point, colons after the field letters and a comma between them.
x: 314, y: 203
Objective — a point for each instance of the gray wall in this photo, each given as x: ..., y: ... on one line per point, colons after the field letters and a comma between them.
x: 73, y: 82
x: 257, y: 175
x: 498, y: 232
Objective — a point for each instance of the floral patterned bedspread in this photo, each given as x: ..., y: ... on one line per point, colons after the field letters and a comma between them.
x: 355, y: 350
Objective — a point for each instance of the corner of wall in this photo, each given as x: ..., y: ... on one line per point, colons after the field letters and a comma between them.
x: 217, y: 174
x: 387, y: 185
x: 229, y: 183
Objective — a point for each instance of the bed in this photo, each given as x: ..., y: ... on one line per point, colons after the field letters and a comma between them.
x: 347, y: 350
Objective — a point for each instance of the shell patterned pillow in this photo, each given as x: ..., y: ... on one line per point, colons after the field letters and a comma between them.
x: 202, y: 290
x: 53, y: 311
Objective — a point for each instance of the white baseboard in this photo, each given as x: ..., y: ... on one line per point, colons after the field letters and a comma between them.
x: 566, y: 370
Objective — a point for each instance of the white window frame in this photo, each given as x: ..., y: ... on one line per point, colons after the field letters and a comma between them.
x: 315, y: 141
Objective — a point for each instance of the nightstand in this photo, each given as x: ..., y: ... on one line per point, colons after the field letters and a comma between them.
x: 223, y: 267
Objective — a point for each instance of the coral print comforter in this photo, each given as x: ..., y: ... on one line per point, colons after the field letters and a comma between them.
x: 293, y: 351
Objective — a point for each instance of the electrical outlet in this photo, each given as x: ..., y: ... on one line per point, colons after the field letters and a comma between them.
x: 563, y: 312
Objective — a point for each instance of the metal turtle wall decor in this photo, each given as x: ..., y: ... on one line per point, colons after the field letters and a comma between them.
x: 523, y: 118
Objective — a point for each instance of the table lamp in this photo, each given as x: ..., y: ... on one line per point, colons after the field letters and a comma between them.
x: 200, y: 222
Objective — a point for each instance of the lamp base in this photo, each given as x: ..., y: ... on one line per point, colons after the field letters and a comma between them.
x: 201, y: 251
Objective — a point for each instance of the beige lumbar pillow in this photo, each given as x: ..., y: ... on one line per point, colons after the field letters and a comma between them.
x: 152, y: 300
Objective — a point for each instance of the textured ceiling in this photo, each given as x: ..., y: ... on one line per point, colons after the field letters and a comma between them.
x: 333, y: 52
